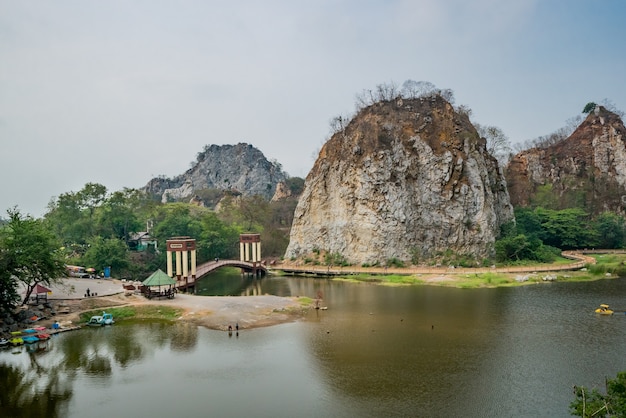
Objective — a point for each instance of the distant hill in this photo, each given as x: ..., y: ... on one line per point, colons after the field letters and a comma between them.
x: 238, y: 169
x: 585, y: 170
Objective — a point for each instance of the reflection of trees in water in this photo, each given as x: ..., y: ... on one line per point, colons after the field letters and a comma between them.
x: 227, y: 281
x: 84, y: 351
x: 125, y: 348
x: 94, y: 350
x: 31, y: 393
x: 43, y: 386
x: 184, y: 336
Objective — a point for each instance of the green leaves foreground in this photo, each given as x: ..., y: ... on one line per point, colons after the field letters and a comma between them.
x: 591, y: 403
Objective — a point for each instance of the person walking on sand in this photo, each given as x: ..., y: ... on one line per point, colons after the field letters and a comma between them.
x: 88, y: 292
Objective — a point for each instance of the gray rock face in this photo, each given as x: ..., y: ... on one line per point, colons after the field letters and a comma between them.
x: 240, y: 168
x: 406, y: 180
x: 586, y: 169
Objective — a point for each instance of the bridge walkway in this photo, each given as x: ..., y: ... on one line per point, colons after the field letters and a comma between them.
x: 202, y: 270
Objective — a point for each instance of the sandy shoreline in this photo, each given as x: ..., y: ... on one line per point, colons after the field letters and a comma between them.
x: 213, y: 312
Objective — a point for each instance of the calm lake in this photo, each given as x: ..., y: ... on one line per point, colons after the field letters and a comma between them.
x: 376, y: 352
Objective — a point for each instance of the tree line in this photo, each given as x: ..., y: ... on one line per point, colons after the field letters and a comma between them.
x: 540, y: 234
x: 95, y: 228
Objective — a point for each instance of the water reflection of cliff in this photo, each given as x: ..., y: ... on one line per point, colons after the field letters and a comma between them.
x: 406, y: 345
x: 37, y: 380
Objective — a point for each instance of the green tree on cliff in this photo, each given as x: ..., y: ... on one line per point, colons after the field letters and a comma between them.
x: 589, y: 107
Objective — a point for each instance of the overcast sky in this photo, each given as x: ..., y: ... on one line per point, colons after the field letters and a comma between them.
x: 117, y: 92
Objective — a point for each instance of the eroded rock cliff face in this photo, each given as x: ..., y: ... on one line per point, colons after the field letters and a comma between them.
x: 241, y: 168
x: 587, y: 169
x: 405, y: 179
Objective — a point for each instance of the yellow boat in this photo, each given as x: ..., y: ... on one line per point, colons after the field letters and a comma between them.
x: 604, y: 310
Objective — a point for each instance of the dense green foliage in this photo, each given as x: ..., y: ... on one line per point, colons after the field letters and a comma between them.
x: 29, y: 254
x: 540, y: 234
x: 97, y: 228
x: 591, y: 403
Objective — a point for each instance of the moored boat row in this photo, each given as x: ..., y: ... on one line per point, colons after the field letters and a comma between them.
x: 33, y: 335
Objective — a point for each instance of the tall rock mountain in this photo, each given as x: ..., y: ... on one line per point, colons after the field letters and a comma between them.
x: 241, y: 168
x: 587, y: 169
x: 405, y: 179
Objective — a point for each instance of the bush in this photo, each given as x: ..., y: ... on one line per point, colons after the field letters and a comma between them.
x: 591, y: 403
x: 395, y: 262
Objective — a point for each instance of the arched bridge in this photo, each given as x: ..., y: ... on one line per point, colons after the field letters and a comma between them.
x: 247, y: 266
x: 256, y: 269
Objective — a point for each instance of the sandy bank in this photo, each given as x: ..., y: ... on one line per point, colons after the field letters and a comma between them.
x: 214, y: 312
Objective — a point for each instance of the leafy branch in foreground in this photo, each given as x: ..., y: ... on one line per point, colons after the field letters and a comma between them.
x: 591, y: 403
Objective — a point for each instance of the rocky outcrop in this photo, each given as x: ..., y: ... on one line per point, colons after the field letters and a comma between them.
x: 237, y: 168
x: 587, y: 169
x: 405, y: 179
x: 282, y: 192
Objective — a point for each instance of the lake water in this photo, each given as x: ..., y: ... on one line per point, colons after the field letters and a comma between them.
x: 376, y: 352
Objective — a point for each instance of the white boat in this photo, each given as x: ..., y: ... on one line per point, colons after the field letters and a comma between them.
x: 101, y: 320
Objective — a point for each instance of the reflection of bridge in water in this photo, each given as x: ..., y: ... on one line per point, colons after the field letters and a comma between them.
x: 255, y: 269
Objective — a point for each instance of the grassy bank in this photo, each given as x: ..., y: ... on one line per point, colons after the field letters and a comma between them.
x: 137, y: 312
x: 609, y: 266
x: 613, y: 264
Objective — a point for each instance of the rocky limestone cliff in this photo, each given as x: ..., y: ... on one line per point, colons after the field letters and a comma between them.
x: 406, y: 179
x: 239, y: 168
x: 587, y: 169
x: 282, y: 192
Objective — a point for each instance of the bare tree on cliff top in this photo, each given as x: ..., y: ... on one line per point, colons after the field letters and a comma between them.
x: 498, y: 143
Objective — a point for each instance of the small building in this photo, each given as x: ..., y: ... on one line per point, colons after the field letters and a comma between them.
x: 141, y: 241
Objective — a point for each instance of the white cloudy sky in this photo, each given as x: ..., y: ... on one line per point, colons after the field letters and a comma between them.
x: 119, y: 91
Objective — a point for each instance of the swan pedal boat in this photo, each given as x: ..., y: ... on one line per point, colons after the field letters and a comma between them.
x: 101, y: 320
x: 604, y: 310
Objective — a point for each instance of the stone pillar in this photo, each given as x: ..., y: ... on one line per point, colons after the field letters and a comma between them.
x: 169, y: 264
x: 185, y: 264
x: 178, y: 266
x: 250, y: 247
x: 193, y: 263
x: 181, y: 246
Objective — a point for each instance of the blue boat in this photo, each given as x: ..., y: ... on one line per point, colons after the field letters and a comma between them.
x: 30, y: 339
